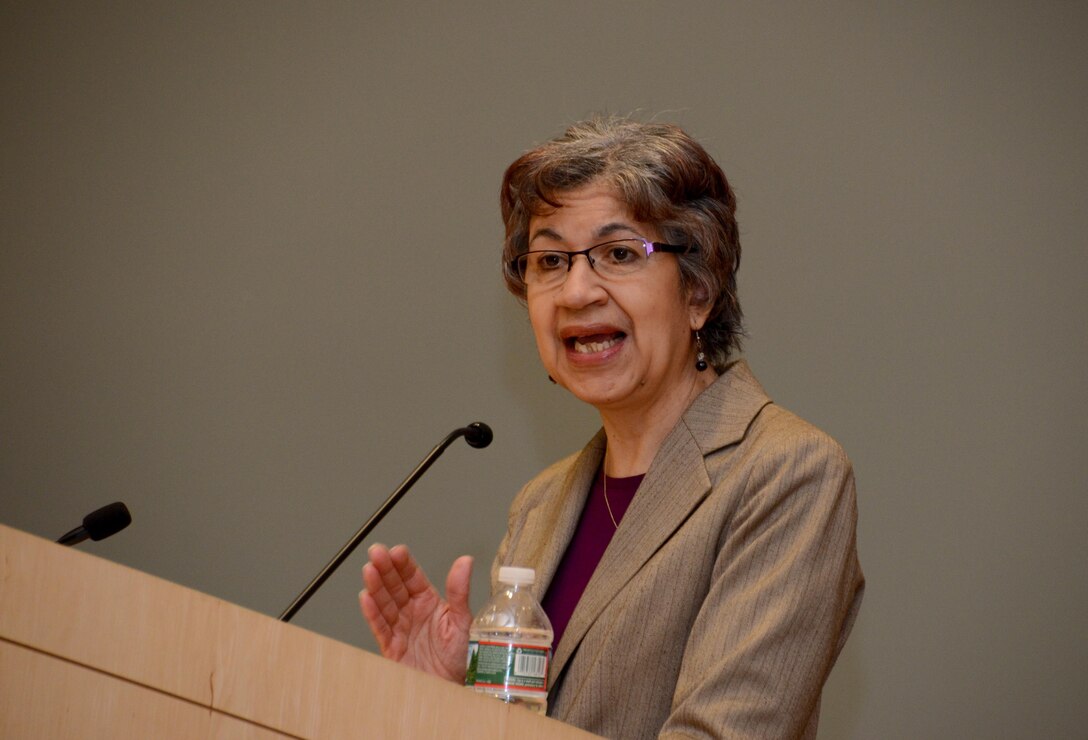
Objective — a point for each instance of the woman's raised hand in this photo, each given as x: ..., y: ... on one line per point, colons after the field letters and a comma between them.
x: 411, y: 621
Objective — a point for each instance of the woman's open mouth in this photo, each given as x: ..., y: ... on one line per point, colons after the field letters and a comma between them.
x: 594, y: 343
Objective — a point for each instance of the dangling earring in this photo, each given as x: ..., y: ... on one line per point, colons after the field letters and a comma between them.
x: 700, y: 356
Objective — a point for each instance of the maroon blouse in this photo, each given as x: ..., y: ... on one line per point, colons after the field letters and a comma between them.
x: 591, y: 537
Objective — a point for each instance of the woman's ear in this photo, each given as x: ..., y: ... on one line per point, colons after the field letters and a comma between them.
x: 698, y: 307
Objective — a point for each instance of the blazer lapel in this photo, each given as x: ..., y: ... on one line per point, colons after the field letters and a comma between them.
x: 550, y: 526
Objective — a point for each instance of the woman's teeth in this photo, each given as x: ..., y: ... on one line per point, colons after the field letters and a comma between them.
x: 586, y: 348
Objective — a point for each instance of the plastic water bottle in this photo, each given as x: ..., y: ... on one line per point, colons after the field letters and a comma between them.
x: 510, y: 644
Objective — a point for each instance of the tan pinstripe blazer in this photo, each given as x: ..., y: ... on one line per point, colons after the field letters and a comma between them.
x: 729, y: 588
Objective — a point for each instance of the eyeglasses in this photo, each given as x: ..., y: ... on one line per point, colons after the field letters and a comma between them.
x: 614, y: 259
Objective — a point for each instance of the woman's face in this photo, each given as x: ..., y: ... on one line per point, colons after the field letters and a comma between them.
x: 621, y: 343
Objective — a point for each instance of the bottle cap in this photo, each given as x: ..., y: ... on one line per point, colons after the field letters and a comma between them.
x: 517, y: 576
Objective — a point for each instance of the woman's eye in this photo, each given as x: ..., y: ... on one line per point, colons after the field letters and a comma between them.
x: 549, y: 261
x: 620, y: 253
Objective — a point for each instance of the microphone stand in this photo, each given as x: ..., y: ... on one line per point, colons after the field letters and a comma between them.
x: 476, y: 434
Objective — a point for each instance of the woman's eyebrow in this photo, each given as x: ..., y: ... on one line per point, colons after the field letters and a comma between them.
x: 604, y: 231
x: 612, y: 228
x: 547, y: 234
x: 601, y: 233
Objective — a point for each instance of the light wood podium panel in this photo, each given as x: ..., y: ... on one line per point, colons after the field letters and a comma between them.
x: 92, y: 649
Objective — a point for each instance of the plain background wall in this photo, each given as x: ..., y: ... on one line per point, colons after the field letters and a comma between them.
x: 249, y: 277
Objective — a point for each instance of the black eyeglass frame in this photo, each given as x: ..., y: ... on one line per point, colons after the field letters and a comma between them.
x: 650, y: 247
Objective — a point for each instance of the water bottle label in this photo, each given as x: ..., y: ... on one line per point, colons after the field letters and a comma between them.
x: 508, y: 666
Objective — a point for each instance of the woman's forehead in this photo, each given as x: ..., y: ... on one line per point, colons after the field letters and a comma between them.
x: 592, y: 211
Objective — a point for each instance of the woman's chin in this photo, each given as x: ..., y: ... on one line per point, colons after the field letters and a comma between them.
x: 597, y: 392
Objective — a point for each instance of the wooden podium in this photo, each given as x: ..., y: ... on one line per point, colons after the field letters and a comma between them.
x: 92, y: 649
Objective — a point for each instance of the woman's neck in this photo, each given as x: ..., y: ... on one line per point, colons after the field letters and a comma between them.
x: 635, y: 434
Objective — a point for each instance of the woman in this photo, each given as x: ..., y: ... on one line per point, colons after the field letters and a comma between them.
x: 697, y: 558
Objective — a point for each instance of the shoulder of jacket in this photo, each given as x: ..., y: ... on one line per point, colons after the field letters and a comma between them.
x: 774, y: 423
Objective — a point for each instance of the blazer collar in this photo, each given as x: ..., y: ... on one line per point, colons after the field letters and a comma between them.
x: 675, y: 484
x: 721, y: 415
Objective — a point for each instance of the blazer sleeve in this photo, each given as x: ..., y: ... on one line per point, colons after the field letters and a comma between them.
x: 785, y: 589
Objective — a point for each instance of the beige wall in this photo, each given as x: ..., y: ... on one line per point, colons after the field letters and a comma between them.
x: 249, y: 276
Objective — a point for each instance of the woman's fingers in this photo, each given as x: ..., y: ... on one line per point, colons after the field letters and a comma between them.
x: 383, y: 590
x: 457, y: 585
x: 389, y: 566
x: 409, y: 575
x: 379, y: 626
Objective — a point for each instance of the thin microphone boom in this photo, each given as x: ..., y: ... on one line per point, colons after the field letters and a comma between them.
x: 476, y: 434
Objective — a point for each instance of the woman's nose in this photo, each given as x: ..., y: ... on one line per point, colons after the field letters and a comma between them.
x: 582, y: 285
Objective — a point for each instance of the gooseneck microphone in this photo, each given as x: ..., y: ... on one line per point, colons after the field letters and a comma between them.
x: 100, y: 524
x: 476, y: 434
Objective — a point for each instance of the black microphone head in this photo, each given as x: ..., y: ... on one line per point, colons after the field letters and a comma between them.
x: 478, y: 434
x: 107, y: 521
